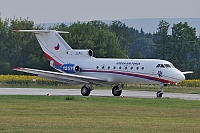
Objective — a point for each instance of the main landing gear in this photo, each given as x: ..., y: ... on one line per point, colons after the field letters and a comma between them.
x: 116, y: 90
x: 85, y: 90
x: 160, y: 91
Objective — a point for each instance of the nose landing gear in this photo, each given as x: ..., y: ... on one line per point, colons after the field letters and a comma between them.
x: 160, y: 91
x: 159, y: 94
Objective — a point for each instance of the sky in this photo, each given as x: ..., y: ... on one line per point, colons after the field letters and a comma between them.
x: 53, y: 11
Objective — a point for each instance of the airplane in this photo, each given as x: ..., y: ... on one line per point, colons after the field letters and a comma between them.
x: 77, y: 66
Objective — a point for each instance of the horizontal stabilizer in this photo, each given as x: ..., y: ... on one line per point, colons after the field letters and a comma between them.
x: 39, y: 31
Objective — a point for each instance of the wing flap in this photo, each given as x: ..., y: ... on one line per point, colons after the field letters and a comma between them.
x: 68, y: 81
x: 62, y: 77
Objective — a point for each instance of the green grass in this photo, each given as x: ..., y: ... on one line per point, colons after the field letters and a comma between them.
x: 22, y: 114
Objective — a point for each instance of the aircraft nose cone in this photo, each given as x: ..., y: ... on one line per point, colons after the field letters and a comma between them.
x: 182, y: 77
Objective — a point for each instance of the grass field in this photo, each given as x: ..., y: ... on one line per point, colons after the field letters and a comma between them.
x: 22, y: 114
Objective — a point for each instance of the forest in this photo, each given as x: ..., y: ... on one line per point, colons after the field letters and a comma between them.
x: 115, y: 40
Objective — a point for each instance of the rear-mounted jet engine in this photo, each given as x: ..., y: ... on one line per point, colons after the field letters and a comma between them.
x: 70, y: 68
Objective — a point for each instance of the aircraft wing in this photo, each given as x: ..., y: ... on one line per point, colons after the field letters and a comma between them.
x: 64, y: 77
x: 188, y: 72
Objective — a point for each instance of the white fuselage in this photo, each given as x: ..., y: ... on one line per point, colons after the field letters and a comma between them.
x: 142, y: 71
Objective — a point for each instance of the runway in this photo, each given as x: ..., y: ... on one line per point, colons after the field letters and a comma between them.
x: 76, y: 92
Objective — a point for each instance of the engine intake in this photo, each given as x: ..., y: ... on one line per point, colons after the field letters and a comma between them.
x: 80, y: 53
x: 70, y: 68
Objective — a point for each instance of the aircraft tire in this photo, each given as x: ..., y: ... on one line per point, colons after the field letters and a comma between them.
x: 85, y: 90
x: 116, y: 91
x: 159, y: 94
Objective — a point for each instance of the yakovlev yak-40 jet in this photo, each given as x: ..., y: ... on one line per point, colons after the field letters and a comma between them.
x: 80, y: 67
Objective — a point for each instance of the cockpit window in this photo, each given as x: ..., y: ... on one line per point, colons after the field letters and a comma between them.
x: 167, y: 65
x: 158, y: 65
x: 172, y: 66
x: 164, y: 66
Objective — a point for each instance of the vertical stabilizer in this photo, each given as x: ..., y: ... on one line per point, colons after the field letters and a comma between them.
x: 53, y: 45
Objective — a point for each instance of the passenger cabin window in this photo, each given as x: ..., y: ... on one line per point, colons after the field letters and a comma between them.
x: 120, y: 67
x: 102, y: 67
x: 114, y: 67
x: 97, y: 67
x: 108, y: 67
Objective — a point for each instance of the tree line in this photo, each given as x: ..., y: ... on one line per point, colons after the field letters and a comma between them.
x: 114, y: 40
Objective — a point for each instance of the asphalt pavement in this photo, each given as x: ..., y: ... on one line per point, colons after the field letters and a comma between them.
x: 76, y: 92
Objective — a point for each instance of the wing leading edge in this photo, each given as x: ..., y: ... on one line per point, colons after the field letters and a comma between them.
x: 64, y: 77
x: 188, y: 72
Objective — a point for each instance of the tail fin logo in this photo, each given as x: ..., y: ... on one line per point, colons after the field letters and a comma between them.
x: 57, y: 47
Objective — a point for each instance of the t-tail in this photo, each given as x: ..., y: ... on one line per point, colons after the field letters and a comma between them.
x: 55, y: 48
x: 53, y: 45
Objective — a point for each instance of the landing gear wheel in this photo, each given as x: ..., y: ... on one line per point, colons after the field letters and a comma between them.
x: 159, y: 94
x: 85, y: 90
x: 116, y: 91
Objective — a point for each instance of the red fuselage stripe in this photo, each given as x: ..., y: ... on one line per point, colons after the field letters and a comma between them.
x: 51, y: 58
x: 130, y: 74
